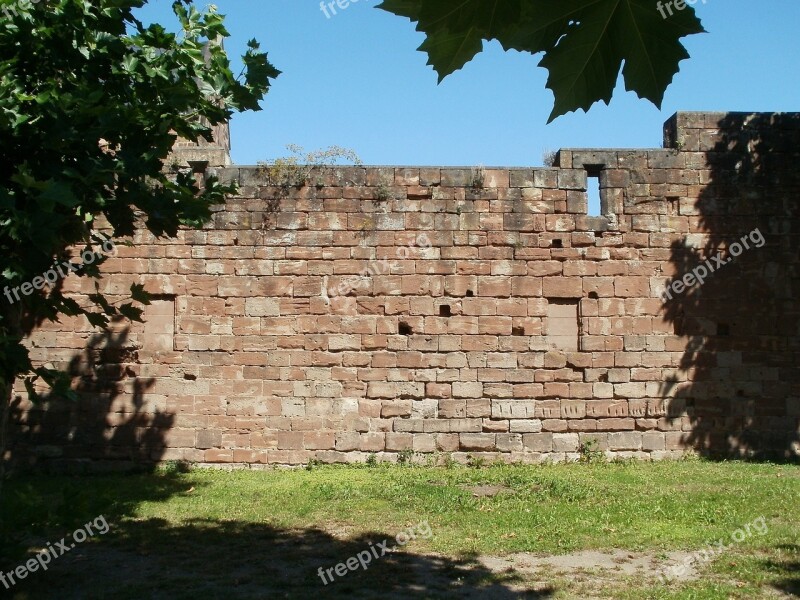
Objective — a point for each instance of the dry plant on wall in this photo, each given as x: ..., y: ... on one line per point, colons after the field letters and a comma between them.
x: 549, y: 158
x: 295, y: 171
x: 478, y: 177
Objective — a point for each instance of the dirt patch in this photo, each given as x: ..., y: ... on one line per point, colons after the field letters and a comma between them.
x: 487, y: 491
x: 605, y: 565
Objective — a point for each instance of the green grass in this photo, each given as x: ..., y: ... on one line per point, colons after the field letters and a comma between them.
x: 269, y: 531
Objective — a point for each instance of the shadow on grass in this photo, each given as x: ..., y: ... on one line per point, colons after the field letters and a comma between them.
x: 154, y: 558
x: 787, y: 569
x: 35, y: 506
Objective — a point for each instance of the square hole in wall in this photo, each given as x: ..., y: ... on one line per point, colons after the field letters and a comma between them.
x: 563, y: 324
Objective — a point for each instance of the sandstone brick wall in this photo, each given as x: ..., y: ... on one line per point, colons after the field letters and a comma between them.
x: 442, y: 310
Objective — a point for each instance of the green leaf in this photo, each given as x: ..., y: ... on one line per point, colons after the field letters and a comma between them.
x: 448, y: 52
x: 100, y: 74
x: 58, y: 192
x: 585, y: 42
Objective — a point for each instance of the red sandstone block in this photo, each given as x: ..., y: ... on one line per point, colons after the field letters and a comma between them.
x: 583, y: 425
x: 560, y: 223
x: 477, y: 441
x: 498, y: 287
x: 625, y: 441
x: 250, y: 456
x: 452, y: 409
x: 556, y: 390
x: 524, y: 222
x: 218, y: 456
x: 478, y: 408
x: 447, y: 442
x: 616, y: 424
x: 479, y: 343
x: 547, y: 409
x: 637, y: 287
x: 653, y: 441
x: 467, y: 389
x: 527, y: 390
x: 572, y: 409
x: 319, y: 440
x: 399, y: 408
x: 290, y: 440
x: 462, y: 425
x: 562, y: 287
x: 372, y: 442
x: 555, y: 425
x: 437, y: 390
x: 630, y: 390
x: 264, y: 440
x: 347, y: 441
x: 449, y: 343
x: 396, y: 442
x: 495, y: 325
x: 526, y: 286
x: 424, y: 442
x: 379, y: 389
x: 479, y: 306
x: 538, y: 442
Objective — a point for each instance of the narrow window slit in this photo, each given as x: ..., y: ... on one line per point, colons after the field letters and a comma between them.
x: 593, y: 190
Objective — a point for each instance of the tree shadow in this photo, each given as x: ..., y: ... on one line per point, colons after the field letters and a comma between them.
x: 788, y: 570
x: 154, y: 558
x: 112, y: 426
x: 739, y: 396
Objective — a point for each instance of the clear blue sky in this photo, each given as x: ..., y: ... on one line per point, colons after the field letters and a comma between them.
x: 357, y: 80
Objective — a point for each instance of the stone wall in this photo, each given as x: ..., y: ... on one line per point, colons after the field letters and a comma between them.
x: 441, y: 310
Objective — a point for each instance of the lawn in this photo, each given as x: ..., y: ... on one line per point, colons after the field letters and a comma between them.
x: 479, y: 532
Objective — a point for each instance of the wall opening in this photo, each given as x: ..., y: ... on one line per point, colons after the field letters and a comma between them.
x: 158, y: 335
x: 563, y: 324
x: 593, y: 190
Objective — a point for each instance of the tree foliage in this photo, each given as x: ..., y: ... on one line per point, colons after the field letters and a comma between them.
x: 91, y: 102
x: 584, y: 43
